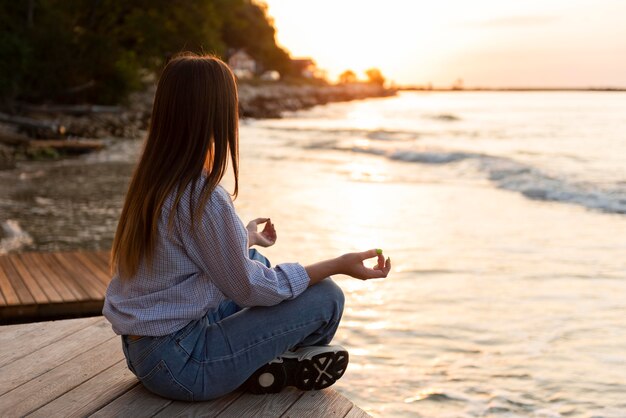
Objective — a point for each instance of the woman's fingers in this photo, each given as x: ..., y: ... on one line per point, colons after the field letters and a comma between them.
x: 375, y: 252
x: 265, y: 237
x: 253, y: 224
x: 260, y: 220
x: 380, y: 271
x: 387, y: 268
x: 367, y: 254
x: 381, y: 261
x: 269, y: 231
x: 375, y: 274
x: 268, y: 224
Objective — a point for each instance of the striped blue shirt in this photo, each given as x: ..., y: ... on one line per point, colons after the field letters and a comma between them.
x: 192, y: 273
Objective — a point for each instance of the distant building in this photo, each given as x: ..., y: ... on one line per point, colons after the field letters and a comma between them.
x: 271, y: 75
x: 305, y: 67
x: 242, y: 64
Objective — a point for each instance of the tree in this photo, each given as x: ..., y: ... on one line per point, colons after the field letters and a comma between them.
x: 246, y: 25
x: 374, y: 76
x: 98, y: 50
x: 347, y: 77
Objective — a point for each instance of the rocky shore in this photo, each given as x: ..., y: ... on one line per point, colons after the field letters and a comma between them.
x: 269, y: 101
x: 51, y: 131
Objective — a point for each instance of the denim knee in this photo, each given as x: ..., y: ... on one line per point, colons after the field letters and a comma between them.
x: 255, y: 255
x: 331, y: 292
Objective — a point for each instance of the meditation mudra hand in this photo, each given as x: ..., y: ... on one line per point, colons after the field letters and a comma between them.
x: 265, y: 238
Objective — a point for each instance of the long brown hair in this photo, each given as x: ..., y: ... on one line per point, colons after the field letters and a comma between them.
x: 194, y: 127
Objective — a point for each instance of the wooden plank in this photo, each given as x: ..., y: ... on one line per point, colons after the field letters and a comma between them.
x: 57, y: 273
x: 2, y: 300
x: 96, y: 260
x: 94, y: 267
x: 357, y: 412
x: 104, y: 264
x: 48, y: 287
x: 101, y: 259
x: 94, y: 288
x: 76, y: 368
x: 262, y: 405
x: 24, y: 296
x: 47, y: 358
x: 50, y: 267
x: 91, y: 395
x: 37, y: 392
x: 8, y: 292
x: 31, y: 283
x: 81, y: 308
x: 208, y: 409
x: 10, y: 333
x: 103, y: 256
x: 17, y: 341
x: 137, y: 402
x: 7, y: 313
x: 40, y: 268
x: 321, y: 403
x: 81, y: 276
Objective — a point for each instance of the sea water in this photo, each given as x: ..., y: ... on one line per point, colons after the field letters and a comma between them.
x: 504, y: 215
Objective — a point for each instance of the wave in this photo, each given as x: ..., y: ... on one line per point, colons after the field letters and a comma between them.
x: 534, y: 184
x: 373, y: 134
x: 430, y: 157
x: 390, y: 135
x: 435, y: 396
x: 516, y: 176
x: 446, y: 117
x: 14, y: 237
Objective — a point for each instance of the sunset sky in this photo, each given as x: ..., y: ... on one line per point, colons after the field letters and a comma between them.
x: 494, y: 43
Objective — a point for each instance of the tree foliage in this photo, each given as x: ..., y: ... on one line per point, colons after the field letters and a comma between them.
x: 374, y: 76
x: 347, y: 77
x: 98, y: 50
x: 246, y: 25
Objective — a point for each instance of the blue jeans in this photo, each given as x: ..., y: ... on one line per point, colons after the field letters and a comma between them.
x: 215, y: 354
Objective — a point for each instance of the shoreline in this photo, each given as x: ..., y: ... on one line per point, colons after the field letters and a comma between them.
x: 54, y: 131
x: 514, y: 89
x: 270, y: 100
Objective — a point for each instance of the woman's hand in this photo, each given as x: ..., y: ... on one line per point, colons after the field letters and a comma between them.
x: 351, y: 264
x: 265, y: 238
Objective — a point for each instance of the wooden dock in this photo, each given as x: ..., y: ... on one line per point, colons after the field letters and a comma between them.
x: 76, y: 367
x: 38, y: 286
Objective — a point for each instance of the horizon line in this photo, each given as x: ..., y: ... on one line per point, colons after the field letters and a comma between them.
x: 520, y: 89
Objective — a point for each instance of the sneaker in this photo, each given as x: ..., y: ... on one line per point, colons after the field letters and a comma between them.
x: 307, y: 368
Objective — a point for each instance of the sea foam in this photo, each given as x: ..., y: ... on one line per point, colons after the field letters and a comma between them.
x: 13, y: 237
x: 516, y: 176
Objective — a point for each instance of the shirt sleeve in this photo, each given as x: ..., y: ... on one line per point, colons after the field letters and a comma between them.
x: 219, y: 247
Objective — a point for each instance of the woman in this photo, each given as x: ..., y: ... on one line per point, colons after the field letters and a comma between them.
x: 199, y: 313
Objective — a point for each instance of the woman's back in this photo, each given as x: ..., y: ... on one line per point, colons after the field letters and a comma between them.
x: 194, y: 268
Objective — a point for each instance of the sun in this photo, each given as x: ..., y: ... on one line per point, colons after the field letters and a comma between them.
x: 358, y: 35
x: 484, y: 42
